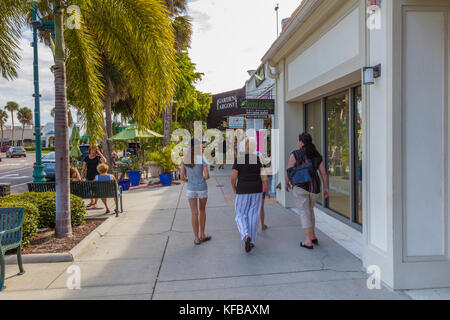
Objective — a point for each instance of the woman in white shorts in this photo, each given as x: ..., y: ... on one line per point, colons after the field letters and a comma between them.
x: 194, y: 170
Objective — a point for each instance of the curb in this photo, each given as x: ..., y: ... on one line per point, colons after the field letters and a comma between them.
x: 100, y: 231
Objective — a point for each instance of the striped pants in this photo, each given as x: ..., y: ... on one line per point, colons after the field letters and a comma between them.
x: 248, y: 207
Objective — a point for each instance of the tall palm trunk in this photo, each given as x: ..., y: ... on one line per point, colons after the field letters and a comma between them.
x: 12, y: 128
x: 167, y: 119
x: 108, y: 116
x: 63, y: 222
x: 23, y: 130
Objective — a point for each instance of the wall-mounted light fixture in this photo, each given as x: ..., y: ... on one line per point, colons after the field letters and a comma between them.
x: 370, y: 74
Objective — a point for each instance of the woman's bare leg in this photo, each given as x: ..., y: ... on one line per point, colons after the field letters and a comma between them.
x: 202, y: 204
x: 261, y: 216
x: 308, y: 236
x: 194, y: 212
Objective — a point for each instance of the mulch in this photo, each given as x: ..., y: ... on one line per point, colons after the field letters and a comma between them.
x: 45, y: 242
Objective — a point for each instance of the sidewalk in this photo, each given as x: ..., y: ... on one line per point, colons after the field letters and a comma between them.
x: 149, y: 253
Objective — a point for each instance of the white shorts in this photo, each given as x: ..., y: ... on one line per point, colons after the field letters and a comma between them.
x: 197, y: 194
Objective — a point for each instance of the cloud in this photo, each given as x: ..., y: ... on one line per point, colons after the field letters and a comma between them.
x: 230, y: 37
x: 22, y: 89
x: 201, y: 20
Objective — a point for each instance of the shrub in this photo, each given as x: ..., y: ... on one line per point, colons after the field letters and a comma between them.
x: 30, y: 218
x: 45, y: 202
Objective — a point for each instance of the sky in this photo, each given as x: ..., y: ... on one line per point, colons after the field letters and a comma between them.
x: 229, y: 38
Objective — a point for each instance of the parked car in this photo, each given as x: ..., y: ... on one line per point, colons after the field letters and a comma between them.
x: 4, y: 149
x: 16, y: 152
x: 48, y: 161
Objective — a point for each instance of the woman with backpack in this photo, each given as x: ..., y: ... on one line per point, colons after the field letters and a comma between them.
x: 302, y: 177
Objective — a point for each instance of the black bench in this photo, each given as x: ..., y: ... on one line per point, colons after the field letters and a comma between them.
x: 86, y: 190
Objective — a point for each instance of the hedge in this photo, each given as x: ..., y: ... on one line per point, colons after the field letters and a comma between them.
x: 43, y: 149
x: 45, y: 202
x: 30, y: 218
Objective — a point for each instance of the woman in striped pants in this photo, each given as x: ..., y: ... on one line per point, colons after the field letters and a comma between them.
x: 247, y: 181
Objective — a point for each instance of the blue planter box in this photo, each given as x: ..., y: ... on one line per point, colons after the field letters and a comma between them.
x: 166, y: 179
x: 135, y: 177
x: 124, y: 183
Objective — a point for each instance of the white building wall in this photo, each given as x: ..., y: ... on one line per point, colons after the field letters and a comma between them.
x: 378, y: 150
x: 425, y: 40
x: 333, y: 49
x: 406, y: 189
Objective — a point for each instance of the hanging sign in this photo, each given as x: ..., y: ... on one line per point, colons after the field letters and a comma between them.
x: 236, y: 122
x: 258, y: 108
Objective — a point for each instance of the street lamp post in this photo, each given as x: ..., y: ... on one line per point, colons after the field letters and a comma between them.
x: 38, y: 169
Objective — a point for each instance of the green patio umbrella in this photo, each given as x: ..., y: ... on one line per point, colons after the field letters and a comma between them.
x: 74, y: 141
x: 132, y: 133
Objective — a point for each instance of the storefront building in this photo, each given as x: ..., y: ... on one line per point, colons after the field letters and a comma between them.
x: 369, y: 80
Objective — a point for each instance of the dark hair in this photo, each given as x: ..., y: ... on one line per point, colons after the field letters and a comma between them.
x: 310, y: 148
x: 192, y: 164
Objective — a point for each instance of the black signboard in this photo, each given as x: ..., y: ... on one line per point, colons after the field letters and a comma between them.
x: 258, y: 108
x: 224, y: 105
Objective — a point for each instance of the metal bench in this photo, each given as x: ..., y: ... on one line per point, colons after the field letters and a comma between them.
x: 86, y: 190
x: 10, y: 237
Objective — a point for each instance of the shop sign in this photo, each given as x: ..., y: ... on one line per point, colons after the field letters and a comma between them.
x: 236, y: 122
x: 225, y: 103
x: 260, y: 76
x: 258, y: 108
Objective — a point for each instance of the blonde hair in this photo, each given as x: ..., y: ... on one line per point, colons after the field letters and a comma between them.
x: 102, y: 168
x: 250, y: 145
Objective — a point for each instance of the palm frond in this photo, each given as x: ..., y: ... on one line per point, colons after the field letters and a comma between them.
x: 136, y: 36
x: 84, y: 79
x: 11, y: 21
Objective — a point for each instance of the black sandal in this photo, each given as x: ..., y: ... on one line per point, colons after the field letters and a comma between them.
x: 315, y: 241
x: 205, y: 239
x: 198, y: 243
x: 248, y: 245
x: 305, y: 246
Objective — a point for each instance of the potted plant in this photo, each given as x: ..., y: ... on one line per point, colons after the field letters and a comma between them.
x: 164, y: 160
x: 134, y: 172
x: 153, y: 165
x: 125, y: 183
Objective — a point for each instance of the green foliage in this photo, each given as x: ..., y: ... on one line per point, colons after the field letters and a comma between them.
x: 191, y: 105
x: 30, y: 217
x: 42, y: 149
x: 163, y: 158
x: 25, y: 116
x: 134, y: 164
x: 45, y: 202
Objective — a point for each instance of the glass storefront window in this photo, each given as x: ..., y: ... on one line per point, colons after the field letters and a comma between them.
x: 314, y: 126
x: 335, y: 124
x: 359, y: 151
x: 338, y: 153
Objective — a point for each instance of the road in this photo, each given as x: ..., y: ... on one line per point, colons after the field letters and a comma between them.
x: 17, y: 171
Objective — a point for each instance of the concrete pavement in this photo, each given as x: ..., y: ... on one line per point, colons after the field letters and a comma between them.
x: 148, y: 253
x: 17, y: 172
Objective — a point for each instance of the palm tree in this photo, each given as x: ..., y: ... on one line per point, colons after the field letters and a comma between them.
x: 12, y: 106
x: 182, y: 29
x: 25, y: 117
x: 69, y: 117
x: 134, y: 33
x: 3, y: 119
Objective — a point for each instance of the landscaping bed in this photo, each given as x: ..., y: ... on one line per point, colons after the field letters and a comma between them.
x: 45, y: 242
